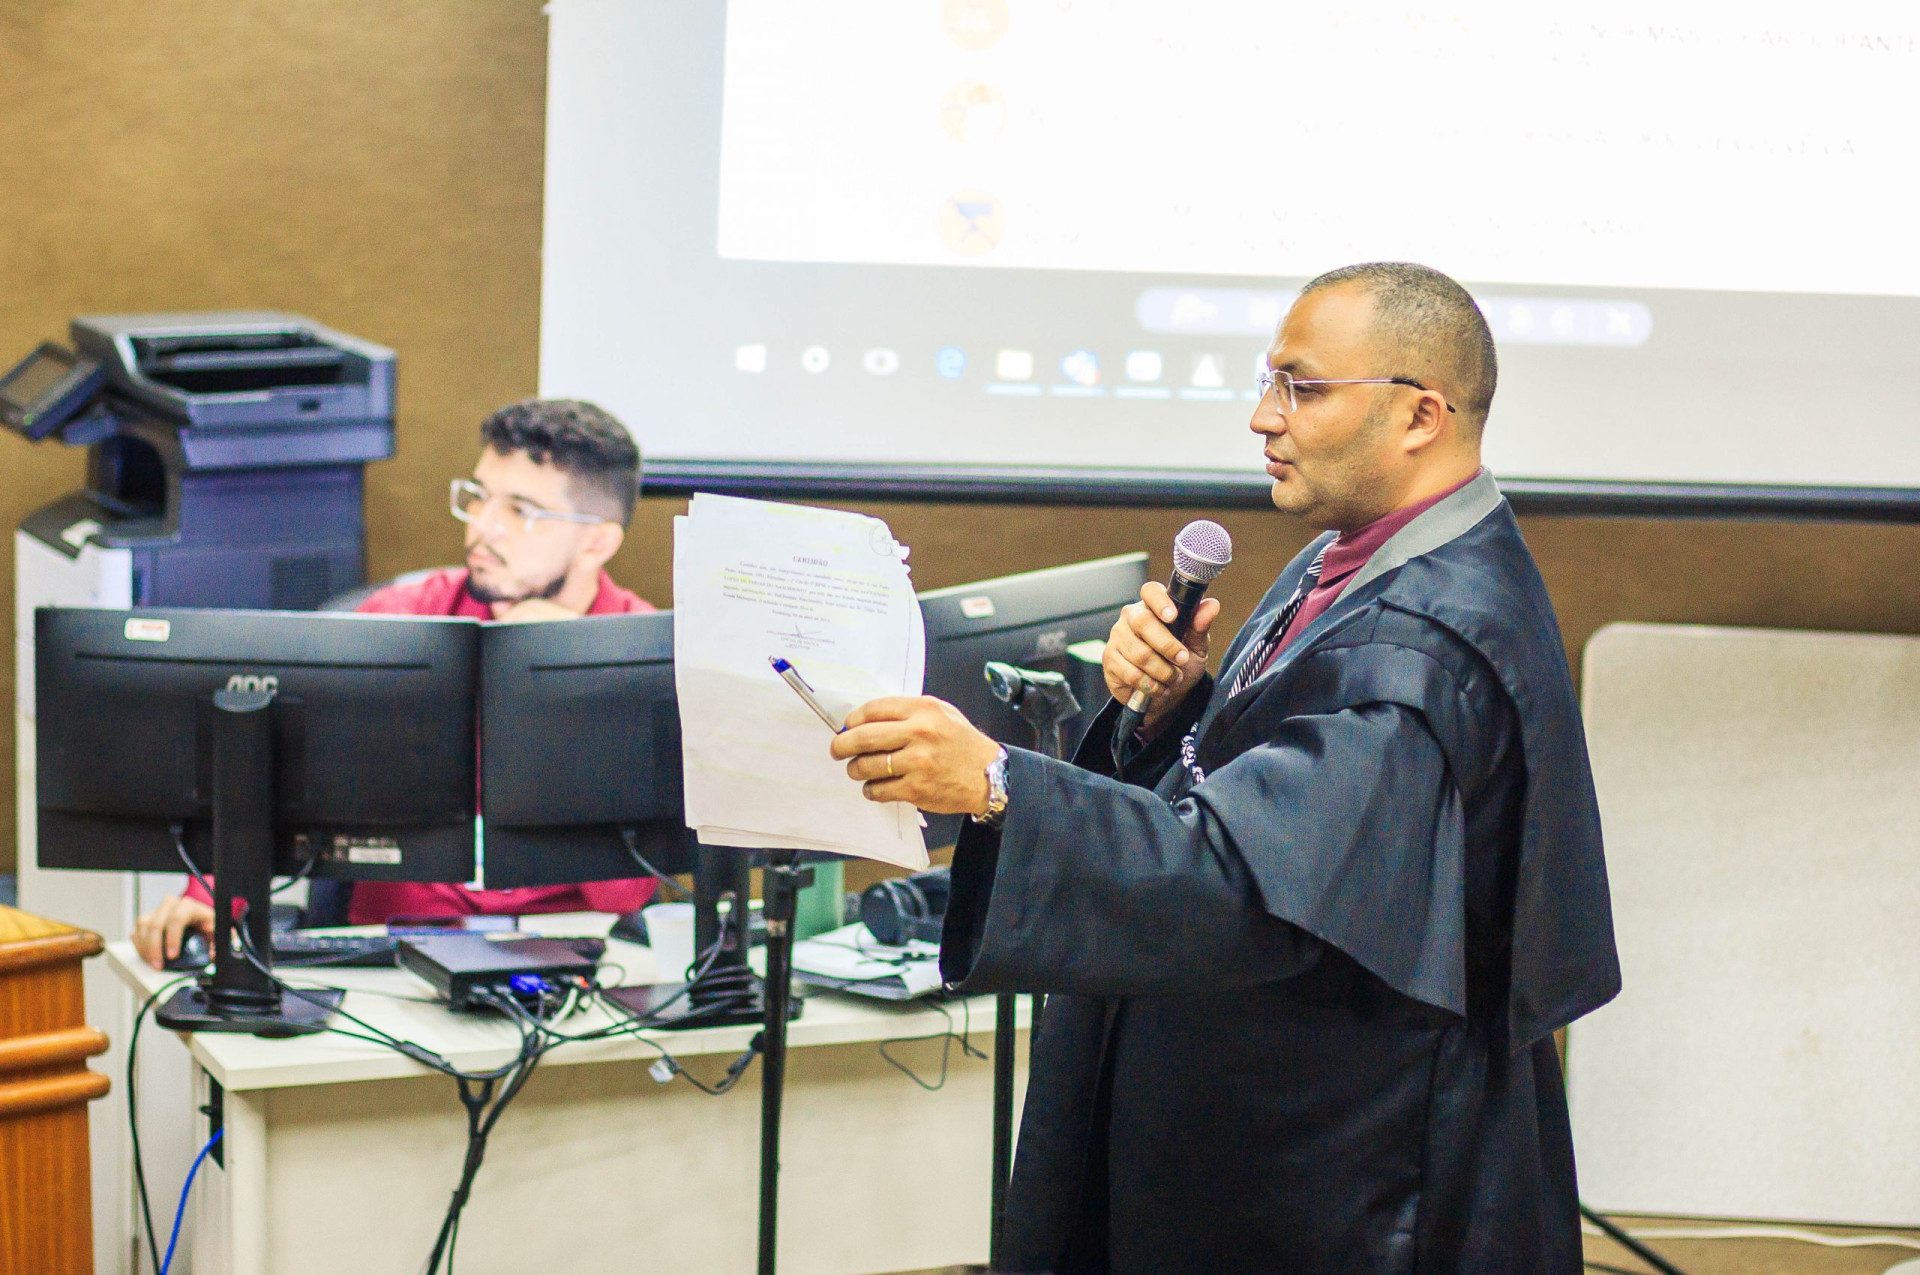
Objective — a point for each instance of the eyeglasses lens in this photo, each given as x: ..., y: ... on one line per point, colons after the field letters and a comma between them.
x: 1280, y: 385
x: 470, y: 503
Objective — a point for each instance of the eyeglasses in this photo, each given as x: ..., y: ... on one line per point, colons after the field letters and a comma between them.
x: 468, y: 501
x: 1286, y: 386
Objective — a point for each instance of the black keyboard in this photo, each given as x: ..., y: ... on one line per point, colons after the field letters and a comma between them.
x: 339, y: 951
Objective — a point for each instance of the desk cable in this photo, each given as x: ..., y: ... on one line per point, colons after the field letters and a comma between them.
x: 484, y: 1095
x: 180, y: 1211
x: 946, y: 1039
x: 1598, y: 1225
x: 881, y: 953
x: 133, y: 1113
x: 477, y: 1089
x: 631, y: 841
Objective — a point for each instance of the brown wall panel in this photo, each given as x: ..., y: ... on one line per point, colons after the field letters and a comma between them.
x: 378, y: 166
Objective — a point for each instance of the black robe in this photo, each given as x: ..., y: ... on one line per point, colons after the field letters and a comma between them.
x: 1302, y: 1006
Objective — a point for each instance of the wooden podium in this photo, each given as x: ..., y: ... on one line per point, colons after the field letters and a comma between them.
x: 46, y: 1207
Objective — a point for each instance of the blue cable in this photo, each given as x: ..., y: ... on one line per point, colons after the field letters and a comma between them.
x: 179, y: 1214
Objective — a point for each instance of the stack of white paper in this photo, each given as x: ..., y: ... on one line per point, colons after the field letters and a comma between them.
x: 828, y: 592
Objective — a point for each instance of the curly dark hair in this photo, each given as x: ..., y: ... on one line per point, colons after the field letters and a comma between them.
x: 595, y: 451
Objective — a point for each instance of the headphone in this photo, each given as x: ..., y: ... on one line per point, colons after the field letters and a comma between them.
x: 900, y: 910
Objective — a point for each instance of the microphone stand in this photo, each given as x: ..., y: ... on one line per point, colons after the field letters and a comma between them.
x: 781, y: 885
x: 1632, y: 1245
x: 719, y: 873
x: 1046, y: 703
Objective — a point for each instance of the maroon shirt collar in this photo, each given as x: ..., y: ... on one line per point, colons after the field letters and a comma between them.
x: 1350, y: 551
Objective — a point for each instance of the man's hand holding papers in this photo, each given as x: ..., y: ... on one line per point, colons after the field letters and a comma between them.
x: 830, y: 590
x: 920, y: 751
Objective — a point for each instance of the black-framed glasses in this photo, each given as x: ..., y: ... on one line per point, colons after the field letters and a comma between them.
x: 1284, y: 386
x: 468, y: 501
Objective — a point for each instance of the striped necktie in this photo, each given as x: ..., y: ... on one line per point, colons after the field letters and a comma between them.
x: 1262, y: 651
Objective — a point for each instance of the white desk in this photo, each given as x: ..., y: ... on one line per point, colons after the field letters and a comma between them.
x: 341, y: 1155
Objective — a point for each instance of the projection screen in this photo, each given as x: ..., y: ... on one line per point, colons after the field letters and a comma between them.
x: 1038, y: 247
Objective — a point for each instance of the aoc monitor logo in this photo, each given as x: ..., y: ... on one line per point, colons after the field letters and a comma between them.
x: 1050, y: 643
x: 265, y: 682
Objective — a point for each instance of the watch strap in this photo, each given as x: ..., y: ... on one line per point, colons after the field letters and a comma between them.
x: 996, y: 812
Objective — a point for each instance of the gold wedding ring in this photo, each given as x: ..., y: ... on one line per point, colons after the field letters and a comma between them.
x: 889, y: 757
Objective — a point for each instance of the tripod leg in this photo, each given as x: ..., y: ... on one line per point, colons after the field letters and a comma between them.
x: 1632, y: 1245
x: 782, y: 889
x: 1003, y: 1015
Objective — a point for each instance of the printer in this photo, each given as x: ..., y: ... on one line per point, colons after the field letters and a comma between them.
x: 224, y: 461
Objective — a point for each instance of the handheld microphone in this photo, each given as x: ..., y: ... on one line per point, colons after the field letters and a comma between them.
x: 1201, y: 551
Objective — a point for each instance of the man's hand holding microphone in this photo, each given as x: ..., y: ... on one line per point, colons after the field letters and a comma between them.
x: 1145, y: 654
x: 1161, y: 641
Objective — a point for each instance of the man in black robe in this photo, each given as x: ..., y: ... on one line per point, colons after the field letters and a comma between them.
x: 1308, y: 947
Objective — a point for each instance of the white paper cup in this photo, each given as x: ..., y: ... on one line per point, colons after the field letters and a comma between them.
x: 670, y: 934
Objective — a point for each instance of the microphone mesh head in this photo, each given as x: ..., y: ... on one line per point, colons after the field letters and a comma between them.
x: 1202, y: 550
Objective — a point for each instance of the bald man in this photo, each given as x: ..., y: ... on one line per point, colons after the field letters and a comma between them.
x: 1309, y: 943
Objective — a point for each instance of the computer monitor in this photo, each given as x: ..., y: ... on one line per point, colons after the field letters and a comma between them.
x: 580, y: 751
x: 1029, y: 620
x: 580, y: 780
x: 257, y: 742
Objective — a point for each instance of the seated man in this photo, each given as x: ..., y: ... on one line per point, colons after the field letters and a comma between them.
x: 547, y: 506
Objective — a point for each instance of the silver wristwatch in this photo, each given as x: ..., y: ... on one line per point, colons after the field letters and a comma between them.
x: 996, y: 792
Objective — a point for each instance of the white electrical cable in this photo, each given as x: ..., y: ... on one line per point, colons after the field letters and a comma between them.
x: 1762, y: 1233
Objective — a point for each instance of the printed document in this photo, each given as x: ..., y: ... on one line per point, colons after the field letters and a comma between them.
x: 828, y: 592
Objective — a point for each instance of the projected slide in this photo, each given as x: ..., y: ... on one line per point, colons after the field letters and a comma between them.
x: 1053, y: 237
x: 1672, y: 145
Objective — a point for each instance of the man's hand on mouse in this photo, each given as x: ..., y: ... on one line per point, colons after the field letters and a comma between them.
x: 157, y: 935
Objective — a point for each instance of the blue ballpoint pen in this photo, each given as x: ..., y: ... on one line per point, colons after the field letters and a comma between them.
x: 791, y: 676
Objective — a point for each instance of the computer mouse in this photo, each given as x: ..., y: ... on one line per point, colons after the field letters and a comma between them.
x: 195, y: 953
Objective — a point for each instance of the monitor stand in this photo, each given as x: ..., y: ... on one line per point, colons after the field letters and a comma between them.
x: 240, y: 996
x: 729, y: 994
